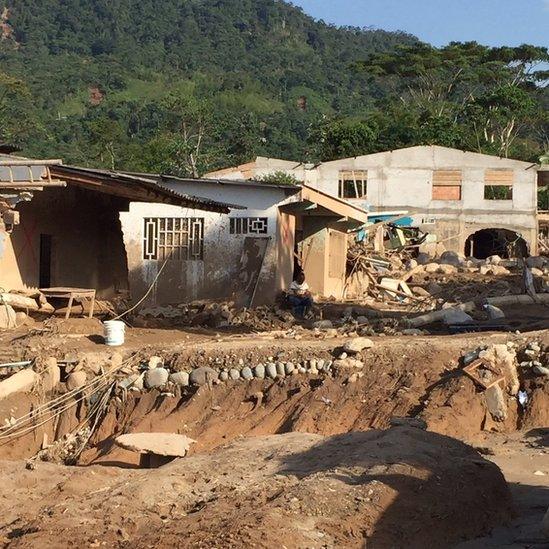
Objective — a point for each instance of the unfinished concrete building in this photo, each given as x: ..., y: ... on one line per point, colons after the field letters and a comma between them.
x: 475, y: 204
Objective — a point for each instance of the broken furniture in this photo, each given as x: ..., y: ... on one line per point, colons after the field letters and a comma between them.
x: 156, y: 449
x: 71, y: 294
x: 472, y: 371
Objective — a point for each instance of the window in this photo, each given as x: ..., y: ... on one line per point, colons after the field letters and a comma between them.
x: 174, y: 238
x: 447, y: 185
x: 248, y: 225
x: 353, y: 184
x: 498, y: 184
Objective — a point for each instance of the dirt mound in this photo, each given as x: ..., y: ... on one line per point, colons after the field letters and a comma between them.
x: 398, y: 488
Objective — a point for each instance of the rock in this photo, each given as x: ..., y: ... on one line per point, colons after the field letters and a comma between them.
x: 7, y: 317
x: 247, y: 373
x: 259, y: 371
x: 323, y: 324
x: 423, y: 258
x: 180, y: 378
x: 495, y: 402
x: 76, y: 380
x: 20, y: 317
x: 421, y: 292
x: 541, y: 370
x: 412, y: 264
x: 224, y: 375
x: 535, y: 262
x: 493, y: 260
x: 504, y: 359
x: 157, y: 377
x: 348, y: 363
x: 456, y: 316
x: 498, y: 270
x: 494, y: 313
x: 51, y: 375
x: 234, y: 374
x: 447, y: 269
x: 302, y: 370
x: 160, y: 444
x: 18, y: 382
x: 271, y: 370
x: 431, y: 268
x: 201, y: 376
x: 289, y: 368
x: 156, y: 362
x: 280, y: 369
x: 433, y: 288
x: 412, y: 332
x: 320, y: 364
x: 451, y: 258
x: 536, y: 272
x: 357, y: 344
x: 132, y: 381
x: 343, y: 356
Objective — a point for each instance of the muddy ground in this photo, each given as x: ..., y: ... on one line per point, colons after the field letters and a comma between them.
x: 261, y: 472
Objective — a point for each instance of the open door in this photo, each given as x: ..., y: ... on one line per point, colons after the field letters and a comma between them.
x: 45, y: 261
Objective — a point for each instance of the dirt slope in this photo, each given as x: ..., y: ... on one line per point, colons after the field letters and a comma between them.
x: 398, y: 488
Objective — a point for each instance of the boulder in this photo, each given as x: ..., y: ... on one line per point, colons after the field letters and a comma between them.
x: 234, y: 374
x: 423, y: 258
x: 421, y: 292
x: 494, y: 313
x: 536, y: 272
x: 431, y: 268
x: 271, y: 370
x: 155, y: 378
x: 447, y: 269
x: 496, y: 403
x: 535, y: 262
x: 289, y: 368
x: 493, y: 260
x: 7, y: 317
x: 347, y: 364
x: 201, y: 376
x: 433, y: 288
x: 180, y: 378
x: 504, y: 359
x: 259, y: 371
x: 323, y: 324
x: 280, y: 369
x: 451, y: 258
x: 156, y: 362
x: 133, y: 381
x: 357, y: 344
x: 51, y: 375
x: 20, y: 302
x: 456, y: 316
x: 223, y: 375
x: 20, y: 382
x: 76, y: 380
x: 161, y: 444
x: 247, y: 373
x: 499, y: 270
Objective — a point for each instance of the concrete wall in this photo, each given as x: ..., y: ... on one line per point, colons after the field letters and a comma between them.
x: 212, y: 278
x: 87, y: 247
x: 402, y: 180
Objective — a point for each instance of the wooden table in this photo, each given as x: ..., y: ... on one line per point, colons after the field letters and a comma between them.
x: 71, y: 294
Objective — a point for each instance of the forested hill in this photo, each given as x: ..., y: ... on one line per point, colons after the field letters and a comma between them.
x: 191, y: 85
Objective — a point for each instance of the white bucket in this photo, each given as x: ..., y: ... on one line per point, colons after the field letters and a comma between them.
x: 114, y: 332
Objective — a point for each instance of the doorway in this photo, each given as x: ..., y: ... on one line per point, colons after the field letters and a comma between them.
x: 44, y: 276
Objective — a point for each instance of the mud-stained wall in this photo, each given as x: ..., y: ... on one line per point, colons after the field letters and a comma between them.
x: 212, y: 277
x: 87, y: 249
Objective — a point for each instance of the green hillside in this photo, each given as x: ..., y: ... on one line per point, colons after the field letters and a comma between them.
x: 191, y: 85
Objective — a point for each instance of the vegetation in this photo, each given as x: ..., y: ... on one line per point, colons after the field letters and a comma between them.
x: 196, y: 85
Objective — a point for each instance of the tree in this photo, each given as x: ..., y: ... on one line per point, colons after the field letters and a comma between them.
x: 278, y: 178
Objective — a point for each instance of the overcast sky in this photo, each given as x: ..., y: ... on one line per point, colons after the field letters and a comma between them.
x: 490, y: 22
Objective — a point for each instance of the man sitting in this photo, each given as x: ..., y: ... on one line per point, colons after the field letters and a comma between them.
x: 299, y: 296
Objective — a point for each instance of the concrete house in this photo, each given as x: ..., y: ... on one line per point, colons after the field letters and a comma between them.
x: 250, y: 254
x: 475, y: 204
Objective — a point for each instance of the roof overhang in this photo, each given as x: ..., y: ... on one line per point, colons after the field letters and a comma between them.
x: 311, y: 202
x: 136, y: 188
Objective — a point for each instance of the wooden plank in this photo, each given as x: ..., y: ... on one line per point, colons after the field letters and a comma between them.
x: 499, y: 177
x: 447, y: 177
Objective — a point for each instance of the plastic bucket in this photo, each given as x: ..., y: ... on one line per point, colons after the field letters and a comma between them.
x: 114, y: 331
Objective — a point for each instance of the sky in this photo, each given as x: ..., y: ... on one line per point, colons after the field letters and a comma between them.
x: 490, y: 22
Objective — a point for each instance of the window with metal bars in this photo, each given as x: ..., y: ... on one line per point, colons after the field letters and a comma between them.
x: 248, y: 225
x: 173, y: 238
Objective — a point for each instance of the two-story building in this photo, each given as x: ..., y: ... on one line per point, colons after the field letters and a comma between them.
x: 475, y: 204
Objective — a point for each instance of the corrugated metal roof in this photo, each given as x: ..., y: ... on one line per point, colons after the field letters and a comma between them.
x: 134, y: 182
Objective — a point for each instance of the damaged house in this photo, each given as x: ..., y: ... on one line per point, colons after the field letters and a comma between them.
x: 474, y: 204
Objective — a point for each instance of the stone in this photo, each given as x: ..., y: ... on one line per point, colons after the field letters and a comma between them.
x: 495, y: 402
x: 280, y: 369
x: 493, y: 260
x: 541, y: 370
x: 431, y: 268
x: 289, y: 368
x: 76, y: 380
x: 20, y: 317
x: 7, y: 317
x: 302, y: 370
x: 247, y: 373
x: 447, y: 269
x: 155, y: 362
x: 423, y: 258
x: 494, y: 313
x: 451, y: 258
x: 259, y: 371
x: 21, y: 381
x: 498, y: 270
x: 535, y: 262
x: 161, y: 444
x: 456, y: 316
x: 180, y: 378
x: 323, y: 324
x: 51, y: 375
x: 224, y: 375
x: 433, y: 288
x: 234, y: 374
x: 536, y: 272
x: 421, y: 292
x: 271, y: 370
x: 157, y: 377
x: 343, y: 356
x: 357, y: 344
x: 129, y: 381
x: 201, y: 376
x: 414, y: 422
x: 347, y: 363
x: 502, y: 358
x: 320, y: 364
x: 412, y: 332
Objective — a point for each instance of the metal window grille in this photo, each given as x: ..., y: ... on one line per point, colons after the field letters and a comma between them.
x: 173, y: 238
x: 248, y: 225
x: 353, y: 184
